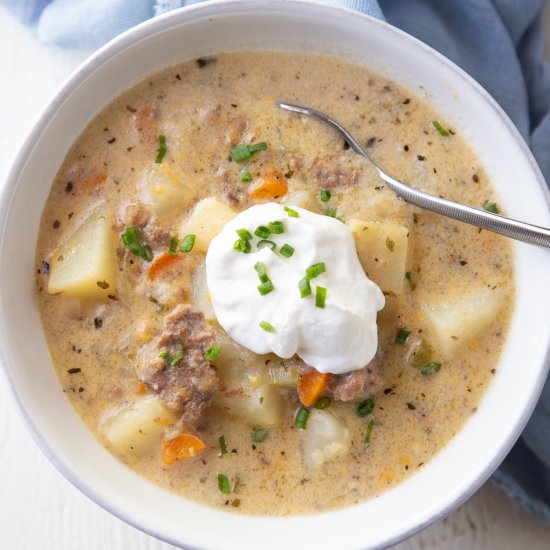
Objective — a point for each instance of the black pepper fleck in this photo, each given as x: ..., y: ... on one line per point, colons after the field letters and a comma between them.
x: 98, y: 322
x: 411, y: 407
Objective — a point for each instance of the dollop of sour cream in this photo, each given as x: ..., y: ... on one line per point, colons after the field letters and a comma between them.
x: 337, y: 338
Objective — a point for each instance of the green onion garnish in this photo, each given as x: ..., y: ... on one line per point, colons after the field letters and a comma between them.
x: 223, y: 484
x: 402, y: 336
x: 301, y: 418
x: 211, y: 354
x: 173, y: 360
x: 320, y: 296
x: 490, y: 207
x: 276, y: 227
x: 188, y: 243
x: 268, y: 327
x: 265, y: 288
x: 440, y: 129
x: 259, y: 435
x: 331, y: 213
x: 305, y: 287
x: 246, y: 176
x: 291, y: 213
x: 244, y: 234
x: 161, y: 150
x: 370, y: 426
x: 322, y: 402
x: 365, y: 408
x: 409, y: 278
x: 242, y: 246
x: 286, y: 250
x: 262, y: 231
x: 243, y: 152
x: 129, y: 238
x: 431, y: 368
x: 325, y: 195
x: 173, y: 249
x: 315, y: 270
x: 264, y: 243
x: 261, y: 271
x: 223, y: 446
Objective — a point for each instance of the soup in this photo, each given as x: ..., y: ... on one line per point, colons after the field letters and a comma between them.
x: 129, y: 318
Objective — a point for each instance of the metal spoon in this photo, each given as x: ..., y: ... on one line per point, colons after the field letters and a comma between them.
x: 521, y: 231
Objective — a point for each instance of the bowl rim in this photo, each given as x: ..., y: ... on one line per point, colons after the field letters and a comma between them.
x: 173, y: 19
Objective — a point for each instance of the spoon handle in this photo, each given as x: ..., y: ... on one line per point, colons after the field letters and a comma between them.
x: 521, y: 231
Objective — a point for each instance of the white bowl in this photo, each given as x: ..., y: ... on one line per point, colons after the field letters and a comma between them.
x: 460, y: 468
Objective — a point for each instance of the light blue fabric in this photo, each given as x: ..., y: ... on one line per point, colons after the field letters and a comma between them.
x: 498, y: 42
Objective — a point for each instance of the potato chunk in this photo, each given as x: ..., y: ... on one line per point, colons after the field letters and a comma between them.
x: 459, y: 320
x: 324, y: 438
x: 206, y: 221
x: 383, y: 250
x: 137, y: 428
x: 166, y: 191
x: 85, y: 266
x: 246, y: 390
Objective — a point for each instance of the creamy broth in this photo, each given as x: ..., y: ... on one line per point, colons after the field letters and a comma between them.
x: 204, y: 108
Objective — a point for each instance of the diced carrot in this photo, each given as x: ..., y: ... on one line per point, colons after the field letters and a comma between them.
x: 160, y: 263
x: 269, y: 187
x: 181, y: 446
x: 312, y: 385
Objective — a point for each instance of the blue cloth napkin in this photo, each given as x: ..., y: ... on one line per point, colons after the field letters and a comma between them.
x: 498, y: 42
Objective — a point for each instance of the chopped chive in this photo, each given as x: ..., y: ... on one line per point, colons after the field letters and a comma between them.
x: 315, y: 270
x: 262, y: 231
x: 291, y: 213
x: 257, y: 147
x: 320, y: 296
x: 165, y: 355
x: 129, y: 238
x: 147, y: 252
x: 490, y: 207
x: 163, y: 148
x: 276, y: 227
x: 173, y: 249
x: 331, y: 213
x: 263, y: 243
x: 265, y: 288
x: 431, y: 368
x: 301, y: 418
x: 370, y: 426
x: 325, y: 195
x: 323, y: 402
x: 244, y: 234
x: 175, y: 360
x: 268, y: 327
x: 246, y: 176
x: 261, y: 271
x: 223, y: 446
x: 188, y: 243
x: 211, y: 354
x: 402, y: 336
x: 223, y: 484
x: 242, y: 246
x: 365, y: 408
x: 243, y: 152
x: 286, y: 250
x: 440, y: 129
x: 305, y: 287
x: 409, y: 278
x: 259, y: 435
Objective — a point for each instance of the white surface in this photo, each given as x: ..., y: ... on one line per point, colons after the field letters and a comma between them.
x: 39, y: 508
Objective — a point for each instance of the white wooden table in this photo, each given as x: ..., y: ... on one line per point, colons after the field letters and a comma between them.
x: 40, y: 509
